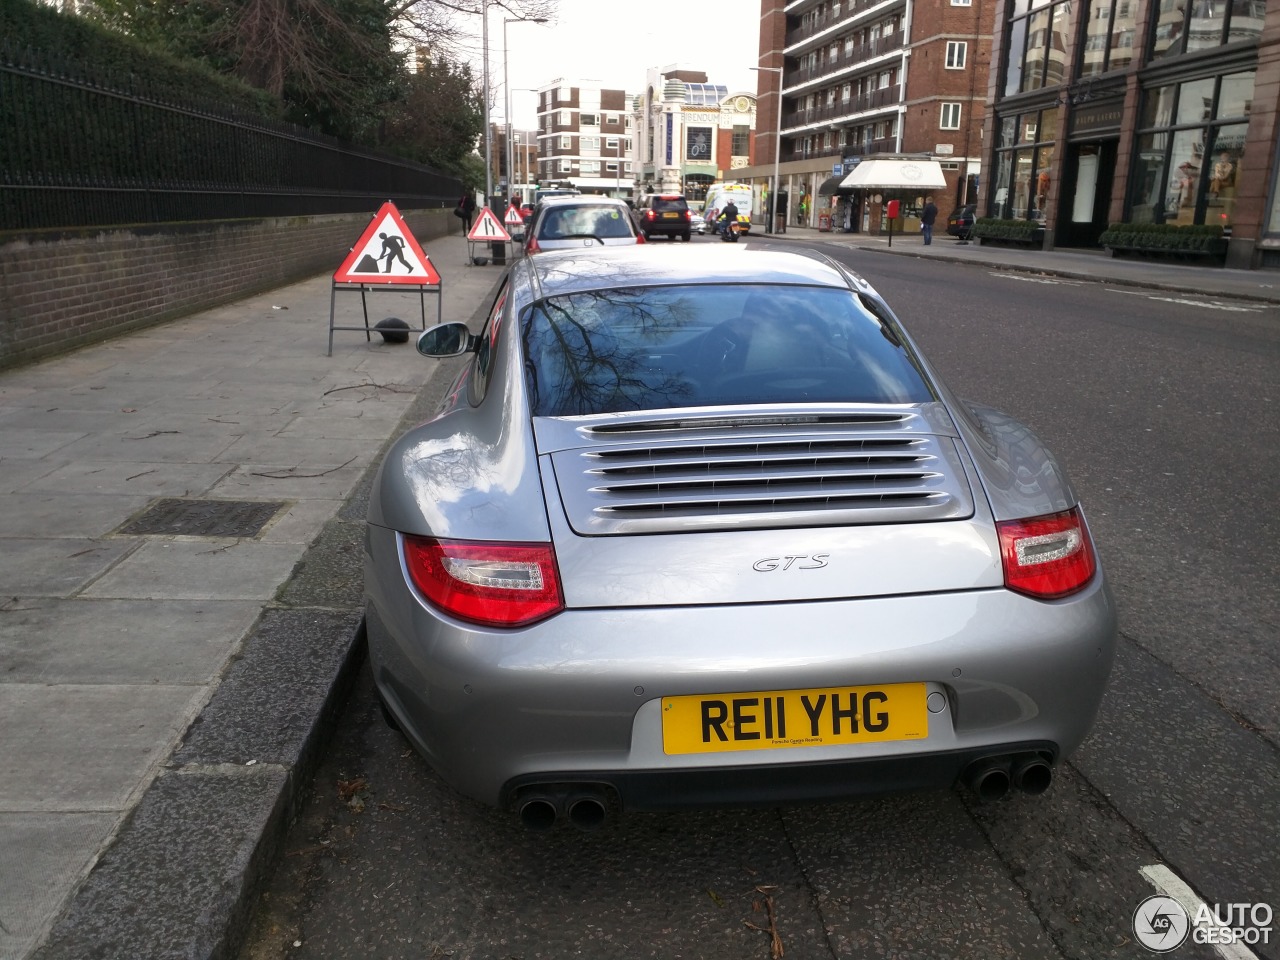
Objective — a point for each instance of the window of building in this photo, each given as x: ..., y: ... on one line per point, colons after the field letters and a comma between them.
x: 1037, y: 45
x: 1190, y: 146
x: 950, y: 119
x: 1203, y: 25
x: 566, y: 118
x: 589, y: 166
x: 957, y: 51
x: 566, y: 143
x: 1024, y: 168
x: 1109, y: 36
x: 740, y: 143
x: 611, y: 143
x: 611, y: 120
x: 961, y: 3
x: 588, y: 120
x: 611, y: 167
x: 565, y: 164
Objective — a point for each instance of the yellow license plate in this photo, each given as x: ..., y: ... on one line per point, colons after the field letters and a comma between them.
x: 773, y: 719
x: 670, y: 216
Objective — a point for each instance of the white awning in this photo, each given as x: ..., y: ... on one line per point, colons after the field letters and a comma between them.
x: 896, y: 175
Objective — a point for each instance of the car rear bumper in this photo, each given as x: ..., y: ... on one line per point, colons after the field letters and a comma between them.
x: 580, y: 695
x: 771, y: 783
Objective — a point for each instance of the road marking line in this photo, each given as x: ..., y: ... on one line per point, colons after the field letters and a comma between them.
x: 1172, y: 885
x: 1210, y: 304
x: 1014, y: 276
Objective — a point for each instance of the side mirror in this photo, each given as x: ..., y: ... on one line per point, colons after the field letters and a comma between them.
x: 446, y: 340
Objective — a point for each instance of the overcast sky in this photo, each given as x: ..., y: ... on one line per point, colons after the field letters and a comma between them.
x: 595, y: 40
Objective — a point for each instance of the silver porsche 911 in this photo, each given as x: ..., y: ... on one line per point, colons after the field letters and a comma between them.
x: 706, y: 529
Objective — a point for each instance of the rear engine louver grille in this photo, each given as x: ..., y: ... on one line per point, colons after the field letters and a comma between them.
x: 731, y: 483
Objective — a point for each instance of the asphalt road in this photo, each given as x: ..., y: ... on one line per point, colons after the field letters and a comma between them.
x: 1162, y: 409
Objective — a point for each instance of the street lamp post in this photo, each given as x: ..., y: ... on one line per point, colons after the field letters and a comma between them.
x: 488, y: 132
x: 777, y: 152
x: 506, y: 81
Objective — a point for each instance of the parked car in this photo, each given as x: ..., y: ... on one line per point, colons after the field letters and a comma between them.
x: 710, y: 530
x: 578, y: 221
x: 666, y: 215
x: 960, y: 222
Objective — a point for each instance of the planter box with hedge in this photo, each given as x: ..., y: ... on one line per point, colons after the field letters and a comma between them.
x: 1027, y: 233
x: 1165, y: 240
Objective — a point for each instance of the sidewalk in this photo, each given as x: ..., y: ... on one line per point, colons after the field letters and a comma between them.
x: 165, y: 685
x: 164, y: 695
x: 1092, y: 265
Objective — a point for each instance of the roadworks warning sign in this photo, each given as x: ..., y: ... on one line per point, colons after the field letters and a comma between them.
x: 387, y: 253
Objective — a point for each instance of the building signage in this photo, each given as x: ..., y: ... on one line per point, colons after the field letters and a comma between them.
x: 837, y: 169
x: 1097, y: 118
x: 697, y: 144
x: 670, y: 135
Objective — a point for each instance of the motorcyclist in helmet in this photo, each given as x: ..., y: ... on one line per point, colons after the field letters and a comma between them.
x: 728, y: 215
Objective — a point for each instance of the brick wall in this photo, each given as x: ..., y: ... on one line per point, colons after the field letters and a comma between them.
x: 63, y: 291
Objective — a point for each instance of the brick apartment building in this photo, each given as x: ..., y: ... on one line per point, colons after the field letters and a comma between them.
x: 862, y: 79
x: 584, y: 138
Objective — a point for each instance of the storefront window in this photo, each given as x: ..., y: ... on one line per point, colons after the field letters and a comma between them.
x: 1236, y: 96
x: 1227, y: 151
x: 1149, y: 202
x: 1195, y: 101
x: 1023, y: 175
x: 1044, y: 176
x: 1186, y: 174
x: 1157, y: 109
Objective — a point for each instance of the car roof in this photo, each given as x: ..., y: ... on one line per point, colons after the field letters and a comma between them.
x: 578, y: 199
x: 570, y: 271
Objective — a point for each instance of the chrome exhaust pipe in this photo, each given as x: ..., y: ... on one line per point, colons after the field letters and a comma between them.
x: 1031, y: 774
x: 588, y: 811
x: 988, y: 779
x: 539, y: 813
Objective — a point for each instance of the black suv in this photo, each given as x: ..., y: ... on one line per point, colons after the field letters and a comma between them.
x: 666, y: 214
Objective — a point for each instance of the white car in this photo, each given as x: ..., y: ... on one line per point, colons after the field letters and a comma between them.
x: 698, y: 222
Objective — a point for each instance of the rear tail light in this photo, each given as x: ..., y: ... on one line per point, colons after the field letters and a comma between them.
x: 494, y: 584
x: 640, y: 238
x: 649, y: 215
x: 1047, y: 557
x: 530, y: 244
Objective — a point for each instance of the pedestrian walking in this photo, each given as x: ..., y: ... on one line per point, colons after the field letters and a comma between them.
x: 927, y: 216
x: 465, y: 210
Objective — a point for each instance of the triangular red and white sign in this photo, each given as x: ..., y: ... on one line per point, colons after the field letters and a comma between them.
x: 487, y: 227
x: 387, y: 253
x: 512, y: 217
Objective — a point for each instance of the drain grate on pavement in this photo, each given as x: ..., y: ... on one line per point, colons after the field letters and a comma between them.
x: 203, y: 518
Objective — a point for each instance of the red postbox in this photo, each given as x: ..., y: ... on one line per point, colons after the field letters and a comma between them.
x: 891, y: 209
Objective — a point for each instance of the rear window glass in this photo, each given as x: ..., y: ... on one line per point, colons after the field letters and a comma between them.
x: 649, y: 348
x: 586, y: 221
x: 664, y: 203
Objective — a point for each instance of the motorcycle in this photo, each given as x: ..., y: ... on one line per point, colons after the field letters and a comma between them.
x: 728, y: 230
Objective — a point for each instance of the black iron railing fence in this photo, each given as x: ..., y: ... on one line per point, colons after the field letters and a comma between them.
x: 79, y: 149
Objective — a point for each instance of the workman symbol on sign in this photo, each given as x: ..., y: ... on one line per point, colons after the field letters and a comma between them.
x: 393, y: 249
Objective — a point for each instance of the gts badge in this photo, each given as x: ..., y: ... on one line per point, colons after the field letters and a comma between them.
x: 815, y: 561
